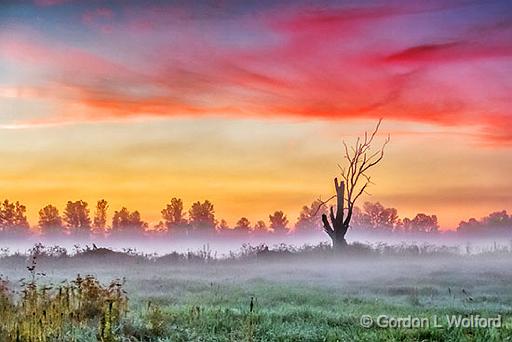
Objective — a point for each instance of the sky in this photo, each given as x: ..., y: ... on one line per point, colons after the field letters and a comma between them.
x: 247, y: 104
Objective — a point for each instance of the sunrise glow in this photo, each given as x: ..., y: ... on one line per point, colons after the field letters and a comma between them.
x: 247, y: 104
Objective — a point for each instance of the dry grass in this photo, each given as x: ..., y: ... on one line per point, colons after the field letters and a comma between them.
x: 47, y: 312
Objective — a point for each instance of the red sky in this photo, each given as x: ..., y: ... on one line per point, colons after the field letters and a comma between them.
x: 247, y: 104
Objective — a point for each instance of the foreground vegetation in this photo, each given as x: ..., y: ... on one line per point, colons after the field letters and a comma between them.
x: 67, y: 311
x: 276, y: 294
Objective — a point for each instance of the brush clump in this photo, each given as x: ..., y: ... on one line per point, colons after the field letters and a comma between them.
x: 47, y: 312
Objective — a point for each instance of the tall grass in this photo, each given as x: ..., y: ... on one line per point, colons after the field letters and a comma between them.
x: 47, y: 312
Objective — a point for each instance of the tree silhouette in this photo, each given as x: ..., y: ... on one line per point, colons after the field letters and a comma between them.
x: 125, y: 222
x: 76, y: 217
x: 173, y: 215
x: 498, y: 222
x: 421, y: 223
x: 100, y: 216
x: 309, y: 218
x: 375, y: 217
x: 202, y: 216
x: 223, y: 227
x: 278, y: 222
x: 13, y: 221
x: 498, y: 219
x: 360, y: 159
x: 50, y: 221
x: 260, y: 228
x: 473, y: 226
x: 243, y: 226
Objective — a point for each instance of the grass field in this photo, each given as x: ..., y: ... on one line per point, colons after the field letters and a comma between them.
x: 295, y: 298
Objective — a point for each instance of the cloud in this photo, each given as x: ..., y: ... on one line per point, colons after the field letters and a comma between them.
x: 421, y: 52
x: 289, y: 61
x: 497, y: 130
x: 449, y: 52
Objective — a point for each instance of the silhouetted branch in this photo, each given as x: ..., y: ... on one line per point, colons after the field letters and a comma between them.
x: 355, y: 181
x: 322, y: 203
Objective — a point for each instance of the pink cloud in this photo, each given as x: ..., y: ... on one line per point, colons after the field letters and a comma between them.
x: 307, y: 63
x: 59, y: 59
x: 448, y: 52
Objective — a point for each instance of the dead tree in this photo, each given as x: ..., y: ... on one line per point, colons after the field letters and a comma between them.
x: 354, y: 182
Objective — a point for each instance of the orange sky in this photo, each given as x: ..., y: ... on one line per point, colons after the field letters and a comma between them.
x: 247, y: 105
x: 248, y: 167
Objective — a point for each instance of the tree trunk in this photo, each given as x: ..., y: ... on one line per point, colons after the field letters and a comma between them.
x: 337, y: 228
x: 339, y: 244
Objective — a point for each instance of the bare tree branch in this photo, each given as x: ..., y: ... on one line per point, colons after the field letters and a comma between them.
x: 322, y: 203
x: 360, y: 159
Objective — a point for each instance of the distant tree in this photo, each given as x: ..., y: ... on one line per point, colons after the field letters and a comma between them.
x: 473, y: 226
x: 375, y: 217
x: 223, y: 224
x: 310, y: 218
x: 13, y: 221
x: 160, y: 227
x: 243, y: 226
x: 127, y: 223
x: 50, y: 221
x: 278, y: 222
x: 202, y: 216
x: 498, y: 222
x: 421, y: 223
x: 100, y: 216
x: 223, y: 227
x: 173, y: 215
x: 359, y: 220
x: 76, y: 217
x: 260, y: 228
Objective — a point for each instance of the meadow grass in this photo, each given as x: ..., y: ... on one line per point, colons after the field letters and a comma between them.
x: 294, y: 299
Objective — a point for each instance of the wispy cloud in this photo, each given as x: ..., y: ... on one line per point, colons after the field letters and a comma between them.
x: 450, y: 52
x: 403, y: 61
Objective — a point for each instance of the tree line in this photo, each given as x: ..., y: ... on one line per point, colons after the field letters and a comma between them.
x: 495, y: 223
x: 76, y: 219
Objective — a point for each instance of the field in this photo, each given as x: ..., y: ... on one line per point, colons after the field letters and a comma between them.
x: 294, y: 297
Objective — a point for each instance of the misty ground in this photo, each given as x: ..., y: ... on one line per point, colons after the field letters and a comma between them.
x: 318, y: 298
x: 222, y: 246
